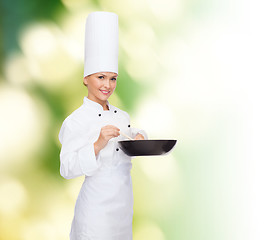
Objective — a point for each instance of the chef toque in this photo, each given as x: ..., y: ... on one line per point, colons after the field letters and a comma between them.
x: 101, y: 43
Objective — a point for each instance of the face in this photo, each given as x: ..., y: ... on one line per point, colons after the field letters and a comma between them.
x: 100, y: 86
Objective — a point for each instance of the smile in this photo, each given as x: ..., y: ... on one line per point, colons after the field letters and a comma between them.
x: 105, y: 92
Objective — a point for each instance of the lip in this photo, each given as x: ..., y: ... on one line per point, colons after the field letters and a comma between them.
x: 105, y: 92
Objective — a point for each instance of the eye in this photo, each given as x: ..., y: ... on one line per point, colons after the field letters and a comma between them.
x: 100, y: 77
x: 113, y: 79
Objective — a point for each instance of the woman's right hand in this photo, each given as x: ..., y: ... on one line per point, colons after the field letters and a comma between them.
x: 107, y: 132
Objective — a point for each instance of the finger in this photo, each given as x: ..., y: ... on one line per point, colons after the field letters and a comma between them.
x: 111, y: 127
x: 139, y: 137
x: 111, y: 132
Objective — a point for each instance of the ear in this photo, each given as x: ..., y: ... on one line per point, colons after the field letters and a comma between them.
x: 85, y: 80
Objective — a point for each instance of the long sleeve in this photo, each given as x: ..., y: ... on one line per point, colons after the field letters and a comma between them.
x: 77, y: 156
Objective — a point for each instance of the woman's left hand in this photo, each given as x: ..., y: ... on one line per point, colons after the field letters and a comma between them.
x: 139, y: 137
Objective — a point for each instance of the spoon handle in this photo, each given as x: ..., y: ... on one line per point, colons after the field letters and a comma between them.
x: 125, y: 135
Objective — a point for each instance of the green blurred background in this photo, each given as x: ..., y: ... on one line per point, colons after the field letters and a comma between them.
x: 191, y: 70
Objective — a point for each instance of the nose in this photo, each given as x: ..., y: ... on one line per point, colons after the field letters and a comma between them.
x: 107, y: 83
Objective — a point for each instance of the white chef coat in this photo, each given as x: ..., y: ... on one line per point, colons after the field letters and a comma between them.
x: 104, y: 207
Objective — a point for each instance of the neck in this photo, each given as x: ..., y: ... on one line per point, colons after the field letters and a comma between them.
x: 102, y: 103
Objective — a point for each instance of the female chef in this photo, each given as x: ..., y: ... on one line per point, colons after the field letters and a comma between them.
x: 89, y: 138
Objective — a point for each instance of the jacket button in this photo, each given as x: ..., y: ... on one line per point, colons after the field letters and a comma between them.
x: 99, y: 115
x: 128, y: 125
x: 115, y: 111
x: 117, y: 149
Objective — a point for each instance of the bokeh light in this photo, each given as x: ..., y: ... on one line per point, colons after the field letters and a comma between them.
x: 194, y: 71
x: 13, y: 197
x: 149, y: 231
x: 25, y: 123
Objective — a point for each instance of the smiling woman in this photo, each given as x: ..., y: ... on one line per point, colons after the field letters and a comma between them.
x: 90, y: 148
x: 100, y: 86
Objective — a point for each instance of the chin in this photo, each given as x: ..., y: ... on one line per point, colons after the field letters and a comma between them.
x: 104, y: 98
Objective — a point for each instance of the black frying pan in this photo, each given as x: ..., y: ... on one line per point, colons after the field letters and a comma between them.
x: 146, y: 147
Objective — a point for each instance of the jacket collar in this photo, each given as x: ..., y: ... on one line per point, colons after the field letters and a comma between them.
x: 95, y: 105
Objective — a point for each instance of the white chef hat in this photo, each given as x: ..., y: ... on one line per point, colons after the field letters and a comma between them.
x: 101, y: 43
